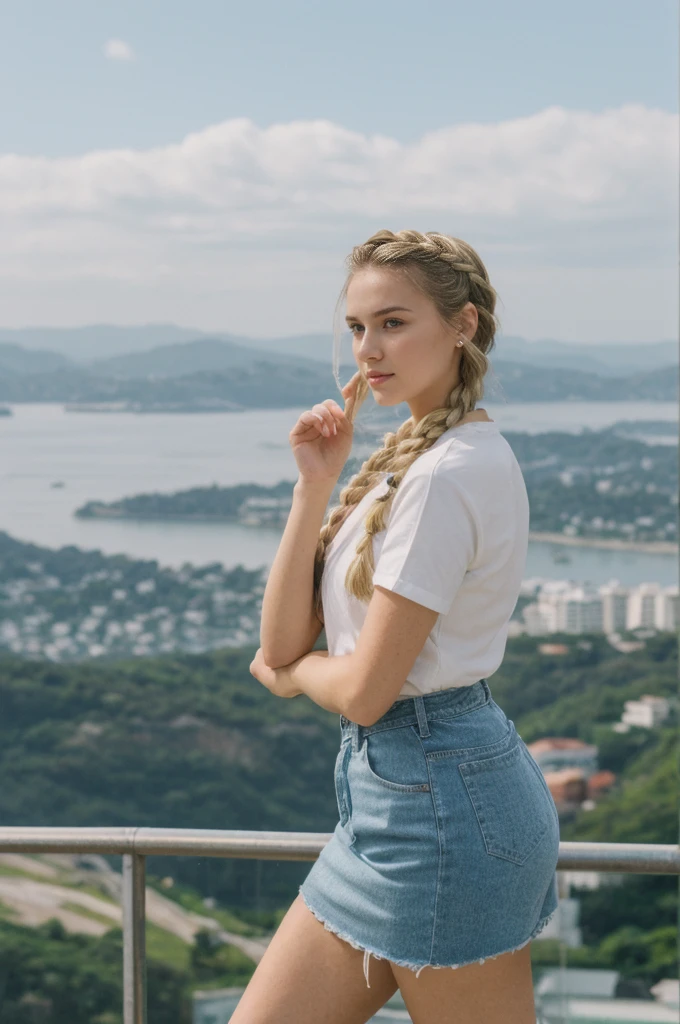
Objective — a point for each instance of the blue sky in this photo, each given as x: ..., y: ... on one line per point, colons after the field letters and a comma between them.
x: 386, y: 66
x: 211, y: 163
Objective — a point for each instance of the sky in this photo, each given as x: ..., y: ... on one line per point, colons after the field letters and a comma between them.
x: 211, y: 164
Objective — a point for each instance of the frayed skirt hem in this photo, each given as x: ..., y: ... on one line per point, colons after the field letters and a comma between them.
x: 417, y: 968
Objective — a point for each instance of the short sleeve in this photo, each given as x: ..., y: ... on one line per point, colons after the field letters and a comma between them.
x: 431, y: 539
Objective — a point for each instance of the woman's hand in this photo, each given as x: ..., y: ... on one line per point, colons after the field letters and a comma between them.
x: 322, y: 437
x: 277, y: 680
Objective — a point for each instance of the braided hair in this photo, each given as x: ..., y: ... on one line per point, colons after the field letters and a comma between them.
x: 452, y: 274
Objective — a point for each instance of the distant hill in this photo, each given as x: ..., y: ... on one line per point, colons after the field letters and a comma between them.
x: 204, y: 354
x: 607, y: 360
x: 17, y: 360
x: 217, y: 370
x: 520, y: 382
x: 97, y: 342
x: 610, y: 360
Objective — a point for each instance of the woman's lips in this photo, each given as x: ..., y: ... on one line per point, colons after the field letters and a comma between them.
x: 379, y: 380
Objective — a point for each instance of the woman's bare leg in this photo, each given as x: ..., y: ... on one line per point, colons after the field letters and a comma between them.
x: 499, y: 991
x: 308, y: 975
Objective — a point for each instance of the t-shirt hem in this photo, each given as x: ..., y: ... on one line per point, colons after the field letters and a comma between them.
x: 411, y: 591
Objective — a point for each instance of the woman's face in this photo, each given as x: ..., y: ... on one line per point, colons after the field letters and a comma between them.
x: 396, y: 329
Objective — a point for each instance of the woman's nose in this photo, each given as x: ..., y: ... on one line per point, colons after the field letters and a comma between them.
x: 368, y: 346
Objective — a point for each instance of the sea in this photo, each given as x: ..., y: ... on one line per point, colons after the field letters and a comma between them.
x: 106, y: 456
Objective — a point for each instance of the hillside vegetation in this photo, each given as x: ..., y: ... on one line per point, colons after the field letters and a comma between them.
x: 194, y: 741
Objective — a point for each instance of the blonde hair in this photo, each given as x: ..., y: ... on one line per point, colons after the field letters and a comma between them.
x: 451, y: 273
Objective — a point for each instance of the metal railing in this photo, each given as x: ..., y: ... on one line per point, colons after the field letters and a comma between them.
x: 136, y: 844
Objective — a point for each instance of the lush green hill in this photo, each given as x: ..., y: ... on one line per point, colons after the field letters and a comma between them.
x: 579, y: 695
x: 48, y: 975
x: 195, y: 741
x: 192, y: 741
x: 632, y: 928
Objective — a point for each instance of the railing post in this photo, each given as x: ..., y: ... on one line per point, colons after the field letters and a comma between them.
x: 134, y: 939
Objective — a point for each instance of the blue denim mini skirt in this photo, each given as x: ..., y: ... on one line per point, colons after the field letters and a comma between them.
x: 446, y: 848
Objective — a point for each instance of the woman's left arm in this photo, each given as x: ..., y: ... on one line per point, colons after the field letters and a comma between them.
x: 326, y: 680
x: 361, y: 685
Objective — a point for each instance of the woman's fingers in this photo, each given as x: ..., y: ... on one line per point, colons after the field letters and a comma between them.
x: 337, y: 412
x: 325, y: 427
x: 307, y: 421
x: 326, y: 416
x: 311, y: 418
x: 349, y: 392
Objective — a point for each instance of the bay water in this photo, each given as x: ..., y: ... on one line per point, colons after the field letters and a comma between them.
x: 109, y: 456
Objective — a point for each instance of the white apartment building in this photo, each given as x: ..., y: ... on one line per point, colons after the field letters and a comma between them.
x: 580, y: 611
x: 668, y: 609
x: 614, y: 607
x: 563, y: 607
x: 566, y: 609
x: 647, y: 712
x: 642, y: 605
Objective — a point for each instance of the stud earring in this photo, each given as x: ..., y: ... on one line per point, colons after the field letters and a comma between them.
x: 462, y: 341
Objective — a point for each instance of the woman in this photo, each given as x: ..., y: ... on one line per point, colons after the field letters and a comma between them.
x: 446, y: 847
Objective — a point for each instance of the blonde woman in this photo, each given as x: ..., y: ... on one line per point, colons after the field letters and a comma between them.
x: 442, y: 866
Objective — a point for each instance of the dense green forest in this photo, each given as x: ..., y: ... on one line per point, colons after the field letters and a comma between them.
x: 195, y: 741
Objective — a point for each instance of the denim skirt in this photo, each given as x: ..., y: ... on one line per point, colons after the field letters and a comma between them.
x: 446, y: 847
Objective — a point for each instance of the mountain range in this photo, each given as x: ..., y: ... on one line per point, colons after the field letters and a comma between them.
x: 98, y: 344
x: 244, y: 373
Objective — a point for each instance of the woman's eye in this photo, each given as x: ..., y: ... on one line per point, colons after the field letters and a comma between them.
x: 390, y: 320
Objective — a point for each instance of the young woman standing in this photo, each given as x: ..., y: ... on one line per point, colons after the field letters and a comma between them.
x: 442, y: 866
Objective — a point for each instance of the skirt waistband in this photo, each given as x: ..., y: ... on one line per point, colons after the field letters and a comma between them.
x: 438, y: 706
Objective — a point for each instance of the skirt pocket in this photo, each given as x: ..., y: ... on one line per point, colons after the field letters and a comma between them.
x: 510, y: 802
x: 394, y: 758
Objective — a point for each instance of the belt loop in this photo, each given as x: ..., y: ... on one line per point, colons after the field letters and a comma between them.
x: 485, y: 687
x: 354, y: 730
x: 421, y: 714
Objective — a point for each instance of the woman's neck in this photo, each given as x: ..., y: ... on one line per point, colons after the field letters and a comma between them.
x: 478, y: 416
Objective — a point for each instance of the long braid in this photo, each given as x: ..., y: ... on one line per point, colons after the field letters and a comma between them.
x: 452, y: 274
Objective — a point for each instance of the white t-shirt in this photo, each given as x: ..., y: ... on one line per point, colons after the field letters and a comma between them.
x: 456, y: 541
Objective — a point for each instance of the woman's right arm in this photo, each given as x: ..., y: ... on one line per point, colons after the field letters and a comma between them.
x: 321, y: 441
x: 289, y: 626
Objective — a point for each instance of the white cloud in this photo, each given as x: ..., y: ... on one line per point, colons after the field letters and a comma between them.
x: 546, y: 169
x: 117, y: 49
x: 560, y: 189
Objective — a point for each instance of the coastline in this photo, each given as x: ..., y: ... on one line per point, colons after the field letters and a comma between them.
x: 651, y: 547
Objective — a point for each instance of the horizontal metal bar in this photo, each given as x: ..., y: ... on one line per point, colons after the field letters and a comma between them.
x: 185, y: 842
x: 638, y: 858
x: 635, y: 858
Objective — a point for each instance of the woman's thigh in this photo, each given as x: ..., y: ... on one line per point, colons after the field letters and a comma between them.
x: 499, y: 991
x: 308, y: 975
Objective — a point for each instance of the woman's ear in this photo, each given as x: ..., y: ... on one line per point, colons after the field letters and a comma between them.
x: 471, y: 320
